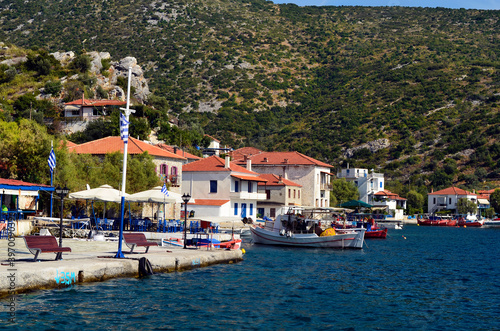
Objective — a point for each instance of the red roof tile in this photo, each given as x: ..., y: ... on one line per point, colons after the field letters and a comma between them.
x: 250, y: 178
x: 97, y: 103
x: 281, y: 158
x: 15, y: 182
x: 115, y: 144
x: 452, y: 191
x: 178, y: 151
x: 275, y: 180
x: 240, y: 153
x: 214, y: 163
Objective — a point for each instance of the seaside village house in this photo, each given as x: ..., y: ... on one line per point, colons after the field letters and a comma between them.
x: 280, y: 193
x: 371, y: 190
x: 168, y: 165
x: 19, y: 203
x: 447, y: 199
x: 312, y: 175
x: 221, y: 190
x: 86, y: 109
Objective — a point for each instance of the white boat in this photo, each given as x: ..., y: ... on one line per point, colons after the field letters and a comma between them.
x: 490, y: 223
x: 295, y: 230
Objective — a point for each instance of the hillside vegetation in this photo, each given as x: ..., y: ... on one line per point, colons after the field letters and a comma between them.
x: 411, y: 92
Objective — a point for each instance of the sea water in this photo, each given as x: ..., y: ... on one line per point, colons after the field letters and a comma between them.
x: 432, y: 278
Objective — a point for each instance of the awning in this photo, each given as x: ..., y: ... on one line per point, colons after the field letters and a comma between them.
x: 249, y: 178
x: 328, y: 173
x: 483, y: 201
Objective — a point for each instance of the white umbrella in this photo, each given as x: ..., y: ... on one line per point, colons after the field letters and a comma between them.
x: 155, y: 195
x: 102, y: 193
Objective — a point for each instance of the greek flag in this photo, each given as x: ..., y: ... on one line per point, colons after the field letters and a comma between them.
x: 124, y: 128
x: 52, y: 160
x: 164, y: 190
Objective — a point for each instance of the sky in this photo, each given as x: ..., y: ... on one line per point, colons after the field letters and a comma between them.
x: 455, y: 4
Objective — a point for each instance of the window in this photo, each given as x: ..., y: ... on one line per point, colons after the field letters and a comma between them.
x: 294, y: 193
x: 450, y: 202
x: 163, y: 169
x: 250, y: 188
x: 236, y: 186
x: 434, y: 201
x: 268, y: 194
x: 213, y: 186
x: 272, y: 212
x: 289, y: 193
x: 236, y: 209
x: 173, y: 171
x: 298, y: 194
x: 380, y: 184
x: 251, y: 209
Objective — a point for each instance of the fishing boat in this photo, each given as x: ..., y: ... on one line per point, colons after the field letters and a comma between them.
x: 437, y: 221
x: 473, y: 223
x: 292, y: 229
x: 491, y: 223
x: 380, y: 233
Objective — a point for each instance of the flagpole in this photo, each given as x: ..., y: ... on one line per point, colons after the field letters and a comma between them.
x: 119, y: 254
x: 51, y: 179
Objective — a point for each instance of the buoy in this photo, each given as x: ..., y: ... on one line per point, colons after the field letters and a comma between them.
x: 243, y: 250
x: 465, y: 226
x: 404, y: 237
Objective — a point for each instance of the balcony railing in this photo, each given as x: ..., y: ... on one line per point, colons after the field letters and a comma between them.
x: 250, y: 196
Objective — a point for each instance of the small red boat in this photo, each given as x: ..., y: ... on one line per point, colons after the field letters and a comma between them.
x: 469, y: 223
x: 437, y: 221
x: 377, y: 233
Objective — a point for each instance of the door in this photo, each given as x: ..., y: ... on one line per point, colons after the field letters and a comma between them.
x: 243, y: 210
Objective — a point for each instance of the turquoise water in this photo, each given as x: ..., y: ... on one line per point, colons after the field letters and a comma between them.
x: 435, y: 279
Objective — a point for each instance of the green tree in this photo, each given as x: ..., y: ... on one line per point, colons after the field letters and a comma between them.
x: 342, y: 191
x: 415, y: 202
x: 466, y: 206
x: 495, y: 200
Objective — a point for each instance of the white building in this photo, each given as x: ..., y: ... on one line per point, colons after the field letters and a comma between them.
x: 281, y: 194
x: 368, y: 182
x: 313, y: 175
x: 221, y: 189
x: 447, y: 199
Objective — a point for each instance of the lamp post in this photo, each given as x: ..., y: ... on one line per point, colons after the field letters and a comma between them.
x: 62, y: 192
x: 185, y: 197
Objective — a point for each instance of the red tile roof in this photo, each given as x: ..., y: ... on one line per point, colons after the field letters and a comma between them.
x: 15, y: 182
x: 214, y: 163
x: 389, y: 194
x: 68, y: 143
x: 281, y: 158
x: 97, y: 103
x: 452, y: 191
x: 250, y: 178
x: 209, y: 202
x: 240, y: 153
x: 178, y: 151
x: 115, y: 144
x: 274, y: 180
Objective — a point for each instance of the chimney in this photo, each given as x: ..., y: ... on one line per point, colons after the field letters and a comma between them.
x: 265, y: 159
x: 249, y: 164
x: 280, y: 179
x: 227, y: 164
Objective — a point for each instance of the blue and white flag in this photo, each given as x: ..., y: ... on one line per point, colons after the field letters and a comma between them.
x: 52, y: 160
x: 124, y: 128
x: 164, y: 190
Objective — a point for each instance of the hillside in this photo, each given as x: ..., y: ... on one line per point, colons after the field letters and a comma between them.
x: 413, y: 92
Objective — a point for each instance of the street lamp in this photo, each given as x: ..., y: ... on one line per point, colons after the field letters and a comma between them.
x: 185, y: 197
x: 62, y: 193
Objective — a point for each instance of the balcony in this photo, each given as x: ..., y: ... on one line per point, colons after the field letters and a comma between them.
x: 248, y: 196
x: 325, y: 187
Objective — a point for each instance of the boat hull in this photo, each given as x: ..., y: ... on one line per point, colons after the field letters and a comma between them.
x: 380, y: 234
x: 351, y: 239
x: 428, y: 222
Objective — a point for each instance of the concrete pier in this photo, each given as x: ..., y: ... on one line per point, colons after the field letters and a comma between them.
x: 91, y: 261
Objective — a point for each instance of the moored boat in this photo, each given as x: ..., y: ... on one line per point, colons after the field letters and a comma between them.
x: 470, y: 223
x: 376, y: 233
x: 493, y: 222
x: 437, y: 221
x: 296, y: 230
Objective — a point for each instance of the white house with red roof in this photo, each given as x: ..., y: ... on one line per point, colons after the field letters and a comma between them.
x: 313, y: 175
x: 280, y: 193
x: 180, y: 152
x: 392, y: 202
x: 91, y: 109
x: 447, y: 199
x: 221, y: 189
x: 368, y: 182
x: 168, y: 165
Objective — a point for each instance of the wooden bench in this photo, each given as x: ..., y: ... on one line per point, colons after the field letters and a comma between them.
x: 137, y: 239
x: 44, y: 244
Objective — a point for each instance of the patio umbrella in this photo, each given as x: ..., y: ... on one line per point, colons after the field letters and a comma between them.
x: 154, y: 195
x: 102, y: 193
